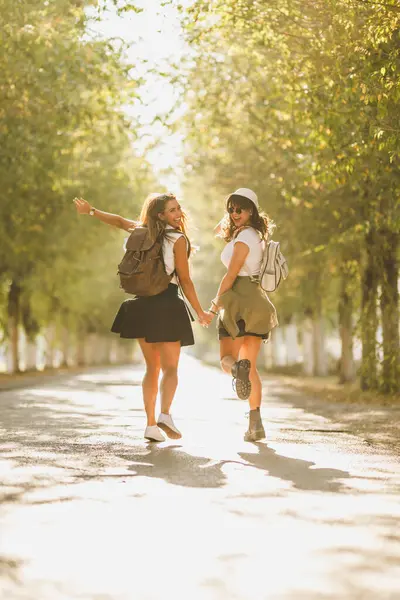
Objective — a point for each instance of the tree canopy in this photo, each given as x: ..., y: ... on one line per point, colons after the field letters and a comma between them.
x: 64, y: 132
x: 300, y: 101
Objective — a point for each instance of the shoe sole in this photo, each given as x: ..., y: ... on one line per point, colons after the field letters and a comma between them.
x: 173, y: 435
x: 152, y: 439
x: 242, y: 381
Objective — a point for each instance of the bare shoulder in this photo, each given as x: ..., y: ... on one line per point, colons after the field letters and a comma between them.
x: 180, y: 243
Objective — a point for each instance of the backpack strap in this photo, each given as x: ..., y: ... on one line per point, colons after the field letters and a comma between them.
x: 272, y: 251
x: 185, y: 302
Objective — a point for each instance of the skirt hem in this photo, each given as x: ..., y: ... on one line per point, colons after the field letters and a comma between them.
x: 156, y: 319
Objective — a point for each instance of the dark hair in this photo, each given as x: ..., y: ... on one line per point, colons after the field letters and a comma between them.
x: 152, y: 207
x: 258, y: 220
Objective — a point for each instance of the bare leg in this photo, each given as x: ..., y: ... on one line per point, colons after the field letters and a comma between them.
x: 229, y: 353
x: 150, y: 380
x: 169, y: 357
x: 250, y: 349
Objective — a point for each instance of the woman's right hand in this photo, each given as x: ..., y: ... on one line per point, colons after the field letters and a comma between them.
x: 82, y: 206
x: 205, y: 318
x: 218, y: 227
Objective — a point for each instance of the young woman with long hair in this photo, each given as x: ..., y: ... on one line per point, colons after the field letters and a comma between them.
x: 246, y: 316
x: 161, y: 322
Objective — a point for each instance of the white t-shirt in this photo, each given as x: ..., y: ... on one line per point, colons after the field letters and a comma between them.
x: 168, y: 253
x: 251, y: 238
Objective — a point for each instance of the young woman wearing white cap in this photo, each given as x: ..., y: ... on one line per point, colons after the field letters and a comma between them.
x: 246, y: 316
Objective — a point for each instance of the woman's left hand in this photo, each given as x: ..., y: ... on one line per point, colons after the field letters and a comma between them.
x: 205, y: 318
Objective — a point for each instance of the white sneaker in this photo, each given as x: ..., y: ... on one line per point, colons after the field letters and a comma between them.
x: 153, y: 434
x: 166, y: 423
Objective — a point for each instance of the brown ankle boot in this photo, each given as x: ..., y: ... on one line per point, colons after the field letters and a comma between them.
x: 256, y: 429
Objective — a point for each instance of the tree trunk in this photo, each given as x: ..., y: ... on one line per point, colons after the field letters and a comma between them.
x: 104, y: 348
x: 268, y: 354
x: 109, y: 343
x: 31, y: 355
x: 346, y: 369
x: 307, y: 343
x: 50, y: 337
x: 3, y: 356
x: 65, y: 347
x: 369, y: 317
x: 81, y: 350
x: 14, y: 313
x: 389, y: 304
x: 114, y: 351
x: 91, y: 349
x: 292, y: 347
x: 278, y: 349
x: 319, y: 351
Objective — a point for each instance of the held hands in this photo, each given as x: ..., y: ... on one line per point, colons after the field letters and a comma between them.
x: 82, y: 206
x: 205, y: 318
x: 209, y: 314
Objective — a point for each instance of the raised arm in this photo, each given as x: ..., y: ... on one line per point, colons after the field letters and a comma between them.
x: 182, y: 270
x: 84, y: 208
x: 218, y: 227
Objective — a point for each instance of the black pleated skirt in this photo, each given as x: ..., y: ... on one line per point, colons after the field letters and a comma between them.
x: 160, y: 318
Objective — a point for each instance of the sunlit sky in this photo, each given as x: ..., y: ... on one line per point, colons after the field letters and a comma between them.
x: 157, y: 38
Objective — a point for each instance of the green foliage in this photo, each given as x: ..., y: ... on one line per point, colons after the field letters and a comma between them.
x: 300, y: 101
x: 63, y: 132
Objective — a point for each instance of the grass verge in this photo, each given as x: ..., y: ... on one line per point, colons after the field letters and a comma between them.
x: 330, y: 389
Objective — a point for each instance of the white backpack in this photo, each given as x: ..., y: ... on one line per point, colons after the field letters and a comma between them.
x: 274, y: 267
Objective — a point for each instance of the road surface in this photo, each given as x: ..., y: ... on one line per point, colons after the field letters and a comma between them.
x: 91, y: 511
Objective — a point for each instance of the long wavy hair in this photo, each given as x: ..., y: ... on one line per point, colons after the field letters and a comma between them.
x: 152, y: 207
x: 260, y: 221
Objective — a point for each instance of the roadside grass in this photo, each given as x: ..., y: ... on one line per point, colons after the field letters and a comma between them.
x: 328, y: 388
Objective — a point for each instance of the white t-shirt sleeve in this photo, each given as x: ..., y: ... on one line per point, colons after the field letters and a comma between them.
x: 252, y: 263
x: 248, y: 237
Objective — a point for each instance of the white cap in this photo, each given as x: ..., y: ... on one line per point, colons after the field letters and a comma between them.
x: 246, y: 193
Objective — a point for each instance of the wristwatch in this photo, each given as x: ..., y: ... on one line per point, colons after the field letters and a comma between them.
x: 92, y: 211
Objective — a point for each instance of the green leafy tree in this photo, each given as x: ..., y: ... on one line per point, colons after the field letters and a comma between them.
x: 301, y: 100
x: 63, y: 132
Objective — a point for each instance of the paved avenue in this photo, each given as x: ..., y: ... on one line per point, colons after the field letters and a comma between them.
x: 90, y: 511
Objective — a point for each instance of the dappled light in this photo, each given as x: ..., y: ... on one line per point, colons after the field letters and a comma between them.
x: 257, y: 459
x: 74, y: 468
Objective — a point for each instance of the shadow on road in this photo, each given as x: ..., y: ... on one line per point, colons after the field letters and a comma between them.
x: 299, y: 472
x: 63, y: 434
x: 179, y: 468
x: 175, y: 466
x: 53, y: 437
x: 9, y: 567
x: 77, y: 446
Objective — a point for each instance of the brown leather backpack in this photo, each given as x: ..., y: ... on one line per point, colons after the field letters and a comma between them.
x: 142, y: 270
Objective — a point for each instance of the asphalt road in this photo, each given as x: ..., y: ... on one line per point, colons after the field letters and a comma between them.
x: 91, y: 511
